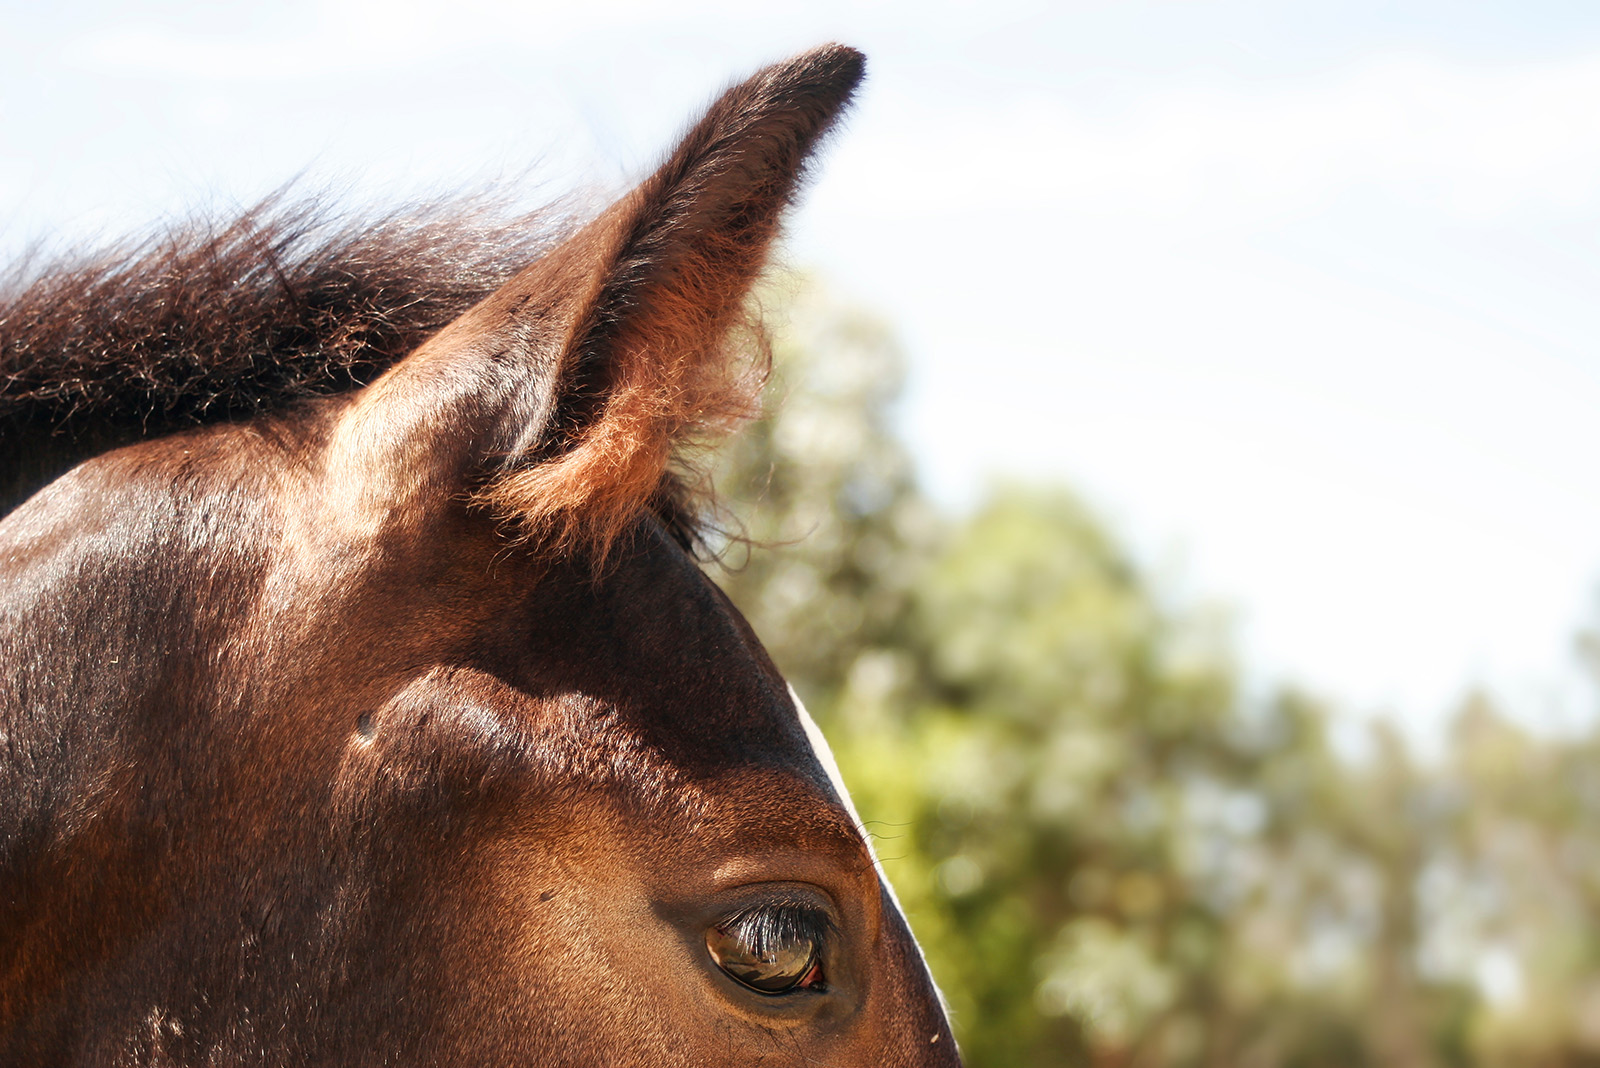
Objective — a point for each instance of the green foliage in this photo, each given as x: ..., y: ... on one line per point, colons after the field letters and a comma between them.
x: 1109, y: 856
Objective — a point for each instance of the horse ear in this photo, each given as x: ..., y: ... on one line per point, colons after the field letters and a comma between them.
x: 565, y: 392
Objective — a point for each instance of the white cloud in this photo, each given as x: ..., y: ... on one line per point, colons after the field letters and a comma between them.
x: 1333, y: 336
x: 1475, y: 140
x: 334, y: 37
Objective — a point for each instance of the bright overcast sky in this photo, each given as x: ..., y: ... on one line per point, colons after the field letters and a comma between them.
x: 1302, y: 296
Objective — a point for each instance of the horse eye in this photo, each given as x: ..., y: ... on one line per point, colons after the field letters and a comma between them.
x: 774, y: 966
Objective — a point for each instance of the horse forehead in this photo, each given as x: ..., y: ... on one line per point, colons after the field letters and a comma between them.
x: 658, y: 655
x: 766, y: 793
x: 648, y: 679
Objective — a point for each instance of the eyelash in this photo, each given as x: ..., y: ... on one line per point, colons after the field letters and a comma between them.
x: 770, y: 925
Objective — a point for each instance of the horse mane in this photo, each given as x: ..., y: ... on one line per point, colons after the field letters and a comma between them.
x: 206, y: 322
x: 210, y: 321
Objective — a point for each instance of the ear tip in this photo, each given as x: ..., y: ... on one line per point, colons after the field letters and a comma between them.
x: 840, y: 63
x: 832, y: 71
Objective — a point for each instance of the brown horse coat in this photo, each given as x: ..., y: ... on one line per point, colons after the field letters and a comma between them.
x: 398, y: 726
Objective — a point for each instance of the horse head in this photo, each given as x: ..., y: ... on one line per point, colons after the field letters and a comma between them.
x: 400, y: 727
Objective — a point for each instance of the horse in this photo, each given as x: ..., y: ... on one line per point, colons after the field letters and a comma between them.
x: 365, y: 699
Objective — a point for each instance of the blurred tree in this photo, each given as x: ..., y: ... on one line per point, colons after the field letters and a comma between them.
x: 1110, y: 858
x: 836, y: 531
x: 1046, y: 715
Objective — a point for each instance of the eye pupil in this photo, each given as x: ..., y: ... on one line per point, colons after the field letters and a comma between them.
x: 777, y: 967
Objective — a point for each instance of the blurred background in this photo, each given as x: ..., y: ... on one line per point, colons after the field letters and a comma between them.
x: 1178, y: 504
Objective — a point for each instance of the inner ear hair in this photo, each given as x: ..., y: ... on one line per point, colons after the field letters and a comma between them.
x: 665, y: 357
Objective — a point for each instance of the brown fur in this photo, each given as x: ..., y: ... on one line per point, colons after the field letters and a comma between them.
x: 211, y: 322
x: 303, y: 765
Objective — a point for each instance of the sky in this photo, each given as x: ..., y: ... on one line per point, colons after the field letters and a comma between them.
x: 1299, y: 295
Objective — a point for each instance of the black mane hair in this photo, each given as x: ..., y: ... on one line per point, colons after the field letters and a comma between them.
x: 207, y: 321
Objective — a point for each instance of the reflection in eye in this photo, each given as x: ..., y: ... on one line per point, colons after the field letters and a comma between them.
x: 772, y: 949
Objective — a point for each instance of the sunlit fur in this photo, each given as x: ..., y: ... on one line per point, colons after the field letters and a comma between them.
x: 209, y: 321
x: 359, y: 702
x: 653, y: 366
